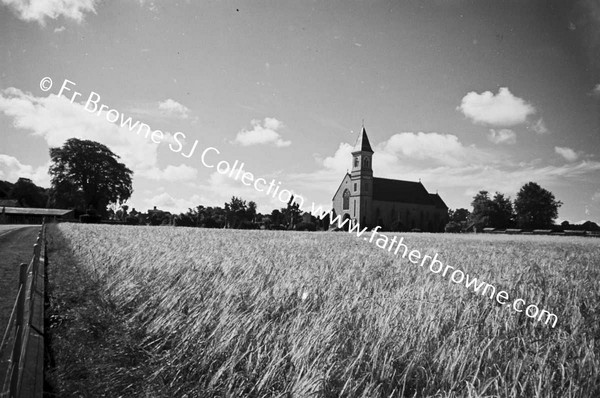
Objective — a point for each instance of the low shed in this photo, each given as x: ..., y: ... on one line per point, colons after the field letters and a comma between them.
x: 32, y: 215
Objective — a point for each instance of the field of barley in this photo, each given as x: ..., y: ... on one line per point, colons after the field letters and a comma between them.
x: 182, y: 312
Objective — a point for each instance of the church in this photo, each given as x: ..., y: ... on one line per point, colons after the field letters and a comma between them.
x: 395, y: 205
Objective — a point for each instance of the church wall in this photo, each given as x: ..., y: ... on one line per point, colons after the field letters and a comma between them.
x: 338, y: 198
x: 410, y: 215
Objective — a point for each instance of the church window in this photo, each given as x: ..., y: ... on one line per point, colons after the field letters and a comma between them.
x: 356, y: 161
x: 354, y: 187
x: 346, y: 200
x: 366, y: 163
x: 355, y: 208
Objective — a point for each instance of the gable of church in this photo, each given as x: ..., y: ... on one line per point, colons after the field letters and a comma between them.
x: 344, y: 184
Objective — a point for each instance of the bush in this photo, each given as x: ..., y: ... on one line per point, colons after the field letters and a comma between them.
x: 249, y: 225
x: 130, y: 220
x: 306, y: 226
x: 90, y: 219
x: 453, y: 226
x: 210, y: 223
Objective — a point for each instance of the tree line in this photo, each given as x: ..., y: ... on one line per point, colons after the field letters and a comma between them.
x: 89, y: 178
x: 533, y: 208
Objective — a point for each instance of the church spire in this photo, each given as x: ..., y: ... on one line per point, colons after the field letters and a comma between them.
x: 362, y: 142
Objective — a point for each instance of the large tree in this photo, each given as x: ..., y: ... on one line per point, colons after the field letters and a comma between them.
x: 502, y: 211
x: 494, y: 213
x: 88, y: 174
x: 483, y: 209
x: 535, y: 207
x: 458, y: 215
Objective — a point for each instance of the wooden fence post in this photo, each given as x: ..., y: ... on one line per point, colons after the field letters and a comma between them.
x: 16, y: 354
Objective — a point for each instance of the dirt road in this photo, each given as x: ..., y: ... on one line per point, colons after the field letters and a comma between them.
x: 16, y: 247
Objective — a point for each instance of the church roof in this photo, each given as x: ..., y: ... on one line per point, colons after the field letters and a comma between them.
x: 437, y: 201
x: 362, y: 142
x: 401, y: 191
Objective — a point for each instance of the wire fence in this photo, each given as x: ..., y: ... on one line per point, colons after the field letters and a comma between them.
x: 22, y: 344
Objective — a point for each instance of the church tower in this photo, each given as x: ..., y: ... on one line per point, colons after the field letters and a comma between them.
x: 361, y: 194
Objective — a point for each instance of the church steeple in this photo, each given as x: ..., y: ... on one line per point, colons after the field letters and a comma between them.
x: 362, y: 142
x: 362, y: 155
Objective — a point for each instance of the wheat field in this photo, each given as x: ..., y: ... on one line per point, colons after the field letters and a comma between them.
x: 182, y: 312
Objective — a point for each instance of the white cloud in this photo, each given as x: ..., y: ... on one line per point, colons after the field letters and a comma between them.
x: 502, y: 109
x: 265, y: 133
x: 566, y: 153
x: 39, y: 10
x: 340, y: 161
x: 596, y: 90
x: 11, y: 169
x: 503, y: 136
x: 596, y: 196
x: 56, y: 120
x: 539, y: 127
x: 58, y: 30
x: 173, y: 108
x: 432, y: 148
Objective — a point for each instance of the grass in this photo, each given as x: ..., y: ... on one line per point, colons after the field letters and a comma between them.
x: 181, y: 312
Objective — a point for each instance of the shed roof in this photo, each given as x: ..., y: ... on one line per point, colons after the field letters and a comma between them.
x: 34, y: 211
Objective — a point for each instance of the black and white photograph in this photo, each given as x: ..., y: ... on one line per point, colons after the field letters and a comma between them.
x: 300, y: 198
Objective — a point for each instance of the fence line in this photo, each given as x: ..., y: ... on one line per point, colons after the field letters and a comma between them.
x: 24, y: 334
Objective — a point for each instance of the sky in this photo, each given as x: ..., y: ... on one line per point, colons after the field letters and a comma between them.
x: 461, y: 95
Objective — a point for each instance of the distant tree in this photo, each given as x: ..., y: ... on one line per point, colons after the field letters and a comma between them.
x: 251, y: 211
x: 89, y: 171
x: 535, y: 207
x: 292, y: 213
x: 28, y: 194
x: 276, y: 217
x: 124, y: 208
x: 458, y: 215
x: 266, y: 221
x: 236, y: 211
x: 325, y: 222
x: 184, y: 220
x: 482, y: 210
x: 502, y: 215
x: 590, y: 226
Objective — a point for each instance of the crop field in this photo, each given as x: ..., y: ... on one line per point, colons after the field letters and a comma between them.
x: 182, y: 312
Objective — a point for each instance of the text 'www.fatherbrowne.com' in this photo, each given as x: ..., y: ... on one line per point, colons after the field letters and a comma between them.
x: 395, y: 245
